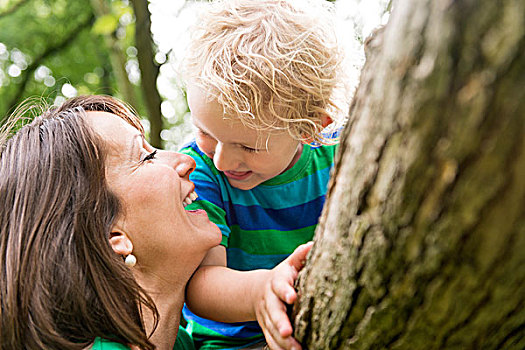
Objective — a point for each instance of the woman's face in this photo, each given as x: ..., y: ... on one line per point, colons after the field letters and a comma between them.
x: 152, y: 186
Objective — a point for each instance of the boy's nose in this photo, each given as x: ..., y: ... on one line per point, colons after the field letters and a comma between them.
x: 224, y: 159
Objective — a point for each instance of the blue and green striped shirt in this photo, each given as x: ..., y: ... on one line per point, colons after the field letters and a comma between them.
x: 260, y: 227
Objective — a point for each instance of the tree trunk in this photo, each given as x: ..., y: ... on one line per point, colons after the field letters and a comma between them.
x: 421, y: 244
x: 117, y: 57
x: 149, y: 71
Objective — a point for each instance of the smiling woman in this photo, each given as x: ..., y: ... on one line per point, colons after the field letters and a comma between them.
x: 153, y: 187
x: 96, y: 247
x: 82, y: 189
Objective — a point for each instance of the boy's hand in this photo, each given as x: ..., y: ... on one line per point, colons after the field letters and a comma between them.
x: 270, y: 307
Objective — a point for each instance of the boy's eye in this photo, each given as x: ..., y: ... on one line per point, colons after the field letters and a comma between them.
x: 203, y: 133
x: 149, y: 156
x: 248, y: 149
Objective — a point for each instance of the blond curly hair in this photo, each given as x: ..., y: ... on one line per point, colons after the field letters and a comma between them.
x: 272, y: 63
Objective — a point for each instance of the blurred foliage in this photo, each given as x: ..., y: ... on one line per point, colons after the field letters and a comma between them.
x: 55, y: 49
x: 43, y: 45
x: 105, y: 24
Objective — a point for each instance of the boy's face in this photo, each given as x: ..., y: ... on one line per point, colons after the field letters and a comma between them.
x: 247, y: 157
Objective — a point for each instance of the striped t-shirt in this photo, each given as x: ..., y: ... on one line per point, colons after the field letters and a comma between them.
x: 260, y: 227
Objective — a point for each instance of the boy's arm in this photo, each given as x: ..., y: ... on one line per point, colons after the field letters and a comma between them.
x: 226, y: 295
x: 221, y: 294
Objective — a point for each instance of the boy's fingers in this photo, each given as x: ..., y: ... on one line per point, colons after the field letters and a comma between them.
x: 293, y: 344
x: 282, y: 287
x: 285, y: 329
x: 276, y: 317
x: 298, y: 257
x: 270, y: 332
x: 275, y: 337
x: 285, y: 344
x: 276, y: 325
x: 272, y: 344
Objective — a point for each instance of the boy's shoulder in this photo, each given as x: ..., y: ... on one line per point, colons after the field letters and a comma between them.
x: 325, y: 151
x: 201, y: 159
x: 330, y: 136
x: 190, y: 147
x: 320, y: 151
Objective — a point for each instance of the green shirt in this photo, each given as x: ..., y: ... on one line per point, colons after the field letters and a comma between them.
x: 183, y: 342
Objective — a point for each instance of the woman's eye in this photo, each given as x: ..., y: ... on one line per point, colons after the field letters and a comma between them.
x: 149, y: 156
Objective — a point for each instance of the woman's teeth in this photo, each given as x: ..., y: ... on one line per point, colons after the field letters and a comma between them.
x: 189, y: 199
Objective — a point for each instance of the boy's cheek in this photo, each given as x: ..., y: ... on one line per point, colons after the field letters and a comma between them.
x: 206, y: 146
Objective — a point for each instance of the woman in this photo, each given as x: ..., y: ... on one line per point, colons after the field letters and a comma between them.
x: 95, y: 245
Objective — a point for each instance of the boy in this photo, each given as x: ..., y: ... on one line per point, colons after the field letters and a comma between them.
x: 260, y: 82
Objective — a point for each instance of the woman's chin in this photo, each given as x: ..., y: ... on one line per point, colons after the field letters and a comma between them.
x: 214, y: 235
x: 218, y: 236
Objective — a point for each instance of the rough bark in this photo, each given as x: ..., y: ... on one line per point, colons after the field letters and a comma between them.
x: 149, y: 70
x: 421, y: 244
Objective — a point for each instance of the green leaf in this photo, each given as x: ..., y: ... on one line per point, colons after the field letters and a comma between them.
x: 105, y: 24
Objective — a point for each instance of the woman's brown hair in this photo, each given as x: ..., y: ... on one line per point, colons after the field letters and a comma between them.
x: 61, y: 284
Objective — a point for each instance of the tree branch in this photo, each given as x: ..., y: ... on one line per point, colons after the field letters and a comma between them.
x: 13, y: 8
x: 66, y: 41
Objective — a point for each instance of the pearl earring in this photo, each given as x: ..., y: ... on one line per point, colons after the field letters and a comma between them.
x: 130, y: 260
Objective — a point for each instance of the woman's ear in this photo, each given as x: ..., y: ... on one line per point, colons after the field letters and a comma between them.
x: 120, y: 243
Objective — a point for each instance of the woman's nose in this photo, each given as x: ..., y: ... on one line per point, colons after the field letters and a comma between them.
x: 183, y: 164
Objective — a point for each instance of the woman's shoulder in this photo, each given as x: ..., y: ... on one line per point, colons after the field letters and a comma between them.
x: 183, y: 342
